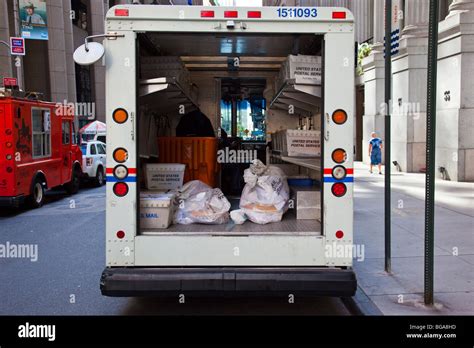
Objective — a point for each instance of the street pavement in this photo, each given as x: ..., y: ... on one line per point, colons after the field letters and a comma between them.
x: 70, y: 234
x: 402, y: 291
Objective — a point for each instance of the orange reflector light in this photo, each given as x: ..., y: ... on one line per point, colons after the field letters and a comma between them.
x: 120, y: 115
x: 339, y: 116
x: 120, y: 155
x: 208, y: 14
x: 339, y: 15
x: 254, y: 14
x: 120, y: 189
x: 231, y: 14
x: 339, y: 156
x: 339, y: 189
x: 121, y: 12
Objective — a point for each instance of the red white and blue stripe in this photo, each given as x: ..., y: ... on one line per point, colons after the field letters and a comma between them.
x: 131, y: 177
x: 330, y: 179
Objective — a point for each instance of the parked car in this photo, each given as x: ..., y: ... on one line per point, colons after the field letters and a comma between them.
x: 93, y: 161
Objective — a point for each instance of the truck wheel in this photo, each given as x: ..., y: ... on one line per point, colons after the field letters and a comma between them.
x: 99, y: 177
x: 72, y: 187
x: 36, y: 199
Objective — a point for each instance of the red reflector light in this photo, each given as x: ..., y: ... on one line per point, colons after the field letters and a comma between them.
x: 121, y: 12
x: 339, y: 189
x: 231, y: 14
x: 120, y: 189
x: 9, y: 169
x: 339, y: 15
x: 120, y: 234
x: 208, y: 14
x: 339, y: 234
x: 254, y: 14
x: 8, y: 132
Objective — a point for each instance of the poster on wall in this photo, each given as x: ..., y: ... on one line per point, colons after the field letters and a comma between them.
x: 33, y: 19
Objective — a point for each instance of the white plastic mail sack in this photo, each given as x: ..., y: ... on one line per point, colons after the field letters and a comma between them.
x: 266, y: 193
x: 200, y: 203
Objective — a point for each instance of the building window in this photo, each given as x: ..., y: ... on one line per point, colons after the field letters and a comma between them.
x: 66, y: 133
x: 41, y: 121
x: 80, y: 11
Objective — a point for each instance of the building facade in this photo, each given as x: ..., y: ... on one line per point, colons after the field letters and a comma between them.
x: 48, y: 68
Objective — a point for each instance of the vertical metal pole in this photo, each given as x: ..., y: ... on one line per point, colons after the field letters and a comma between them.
x: 388, y: 97
x: 19, y: 69
x: 430, y: 150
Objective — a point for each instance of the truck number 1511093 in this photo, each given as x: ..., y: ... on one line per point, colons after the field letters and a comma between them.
x: 297, y: 12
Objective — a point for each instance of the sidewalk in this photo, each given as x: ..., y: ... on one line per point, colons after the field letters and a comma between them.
x: 401, y: 293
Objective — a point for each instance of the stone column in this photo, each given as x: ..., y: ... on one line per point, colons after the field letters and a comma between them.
x: 409, y: 68
x: 455, y: 97
x: 416, y: 15
x: 374, y: 79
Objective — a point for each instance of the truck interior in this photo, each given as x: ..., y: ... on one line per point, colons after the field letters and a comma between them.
x: 236, y: 81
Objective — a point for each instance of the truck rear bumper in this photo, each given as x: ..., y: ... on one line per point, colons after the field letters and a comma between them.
x: 235, y: 281
x: 12, y: 201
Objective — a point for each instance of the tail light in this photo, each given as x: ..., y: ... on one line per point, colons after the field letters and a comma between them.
x: 120, y: 189
x: 339, y: 116
x: 207, y: 14
x: 339, y: 15
x: 89, y: 161
x: 339, y: 172
x: 231, y: 14
x: 120, y: 172
x: 254, y: 14
x: 339, y: 189
x: 120, y: 115
x: 120, y: 155
x: 339, y: 156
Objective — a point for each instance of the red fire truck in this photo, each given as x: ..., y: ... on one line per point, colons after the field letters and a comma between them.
x: 38, y: 151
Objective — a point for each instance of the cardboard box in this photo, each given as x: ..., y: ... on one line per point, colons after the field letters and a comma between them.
x: 156, y: 209
x: 164, y: 176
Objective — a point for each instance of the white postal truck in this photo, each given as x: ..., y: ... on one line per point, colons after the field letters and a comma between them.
x: 307, y: 257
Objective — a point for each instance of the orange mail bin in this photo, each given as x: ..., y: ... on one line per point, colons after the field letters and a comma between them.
x: 199, y: 154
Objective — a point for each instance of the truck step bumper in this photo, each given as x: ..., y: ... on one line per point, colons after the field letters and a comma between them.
x: 234, y: 281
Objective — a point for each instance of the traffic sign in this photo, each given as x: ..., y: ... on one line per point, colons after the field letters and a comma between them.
x: 17, y: 46
x: 10, y: 82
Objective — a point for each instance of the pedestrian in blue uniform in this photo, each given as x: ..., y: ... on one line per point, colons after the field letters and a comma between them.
x: 375, y: 152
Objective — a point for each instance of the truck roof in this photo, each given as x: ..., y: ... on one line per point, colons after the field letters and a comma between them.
x: 211, y: 13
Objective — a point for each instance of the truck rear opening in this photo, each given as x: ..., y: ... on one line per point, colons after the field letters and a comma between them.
x: 276, y: 86
x: 218, y: 88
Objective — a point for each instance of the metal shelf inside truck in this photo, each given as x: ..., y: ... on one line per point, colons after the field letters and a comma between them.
x: 313, y: 163
x: 305, y: 98
x: 165, y: 94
